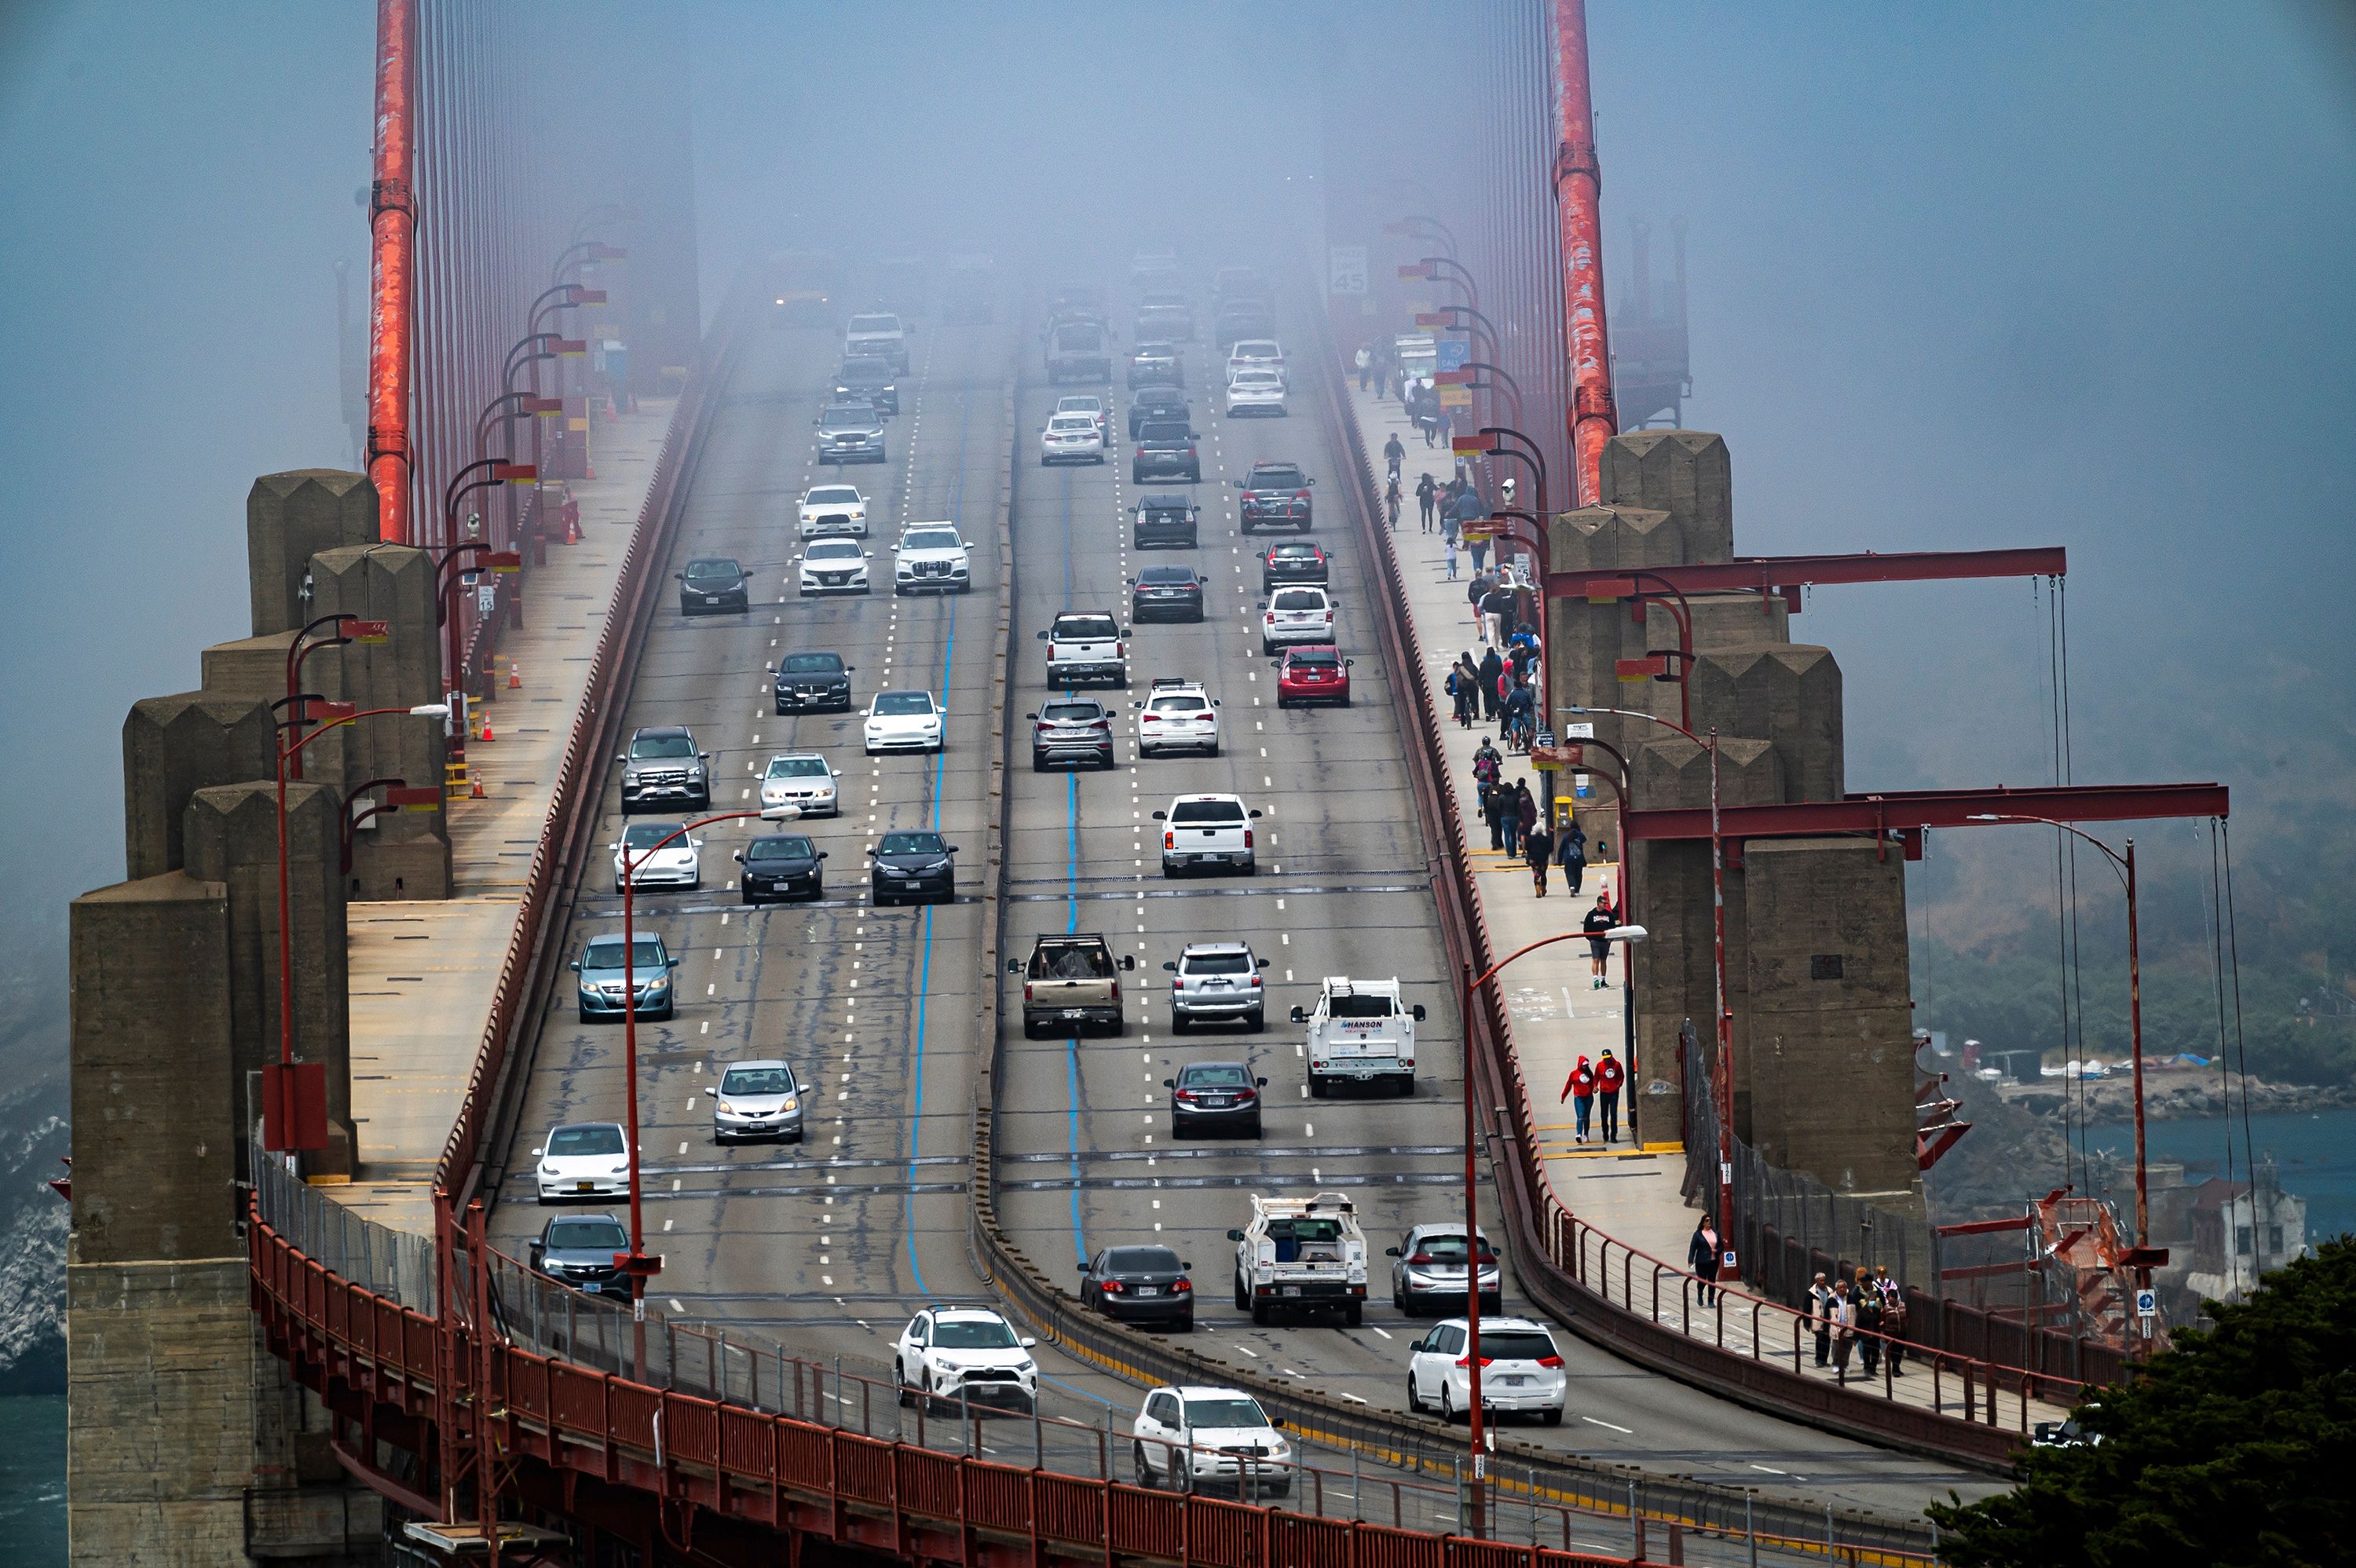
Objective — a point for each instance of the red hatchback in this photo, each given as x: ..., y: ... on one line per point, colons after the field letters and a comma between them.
x: 1314, y: 673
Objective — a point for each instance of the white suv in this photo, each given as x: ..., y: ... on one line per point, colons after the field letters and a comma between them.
x: 833, y: 510
x: 1195, y: 1439
x: 965, y: 1352
x: 1302, y: 614
x: 879, y: 336
x: 1177, y: 713
x: 1520, y: 1370
x: 1207, y: 830
x: 931, y: 558
x: 1256, y: 354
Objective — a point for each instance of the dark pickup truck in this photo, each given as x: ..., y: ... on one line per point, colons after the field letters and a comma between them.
x: 1165, y: 449
x: 1164, y: 520
x: 1276, y: 496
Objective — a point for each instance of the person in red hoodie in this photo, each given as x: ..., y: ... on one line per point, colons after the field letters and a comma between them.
x: 1608, y: 1076
x: 1579, y: 1090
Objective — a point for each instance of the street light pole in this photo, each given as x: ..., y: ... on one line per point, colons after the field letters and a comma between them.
x: 1724, y: 1076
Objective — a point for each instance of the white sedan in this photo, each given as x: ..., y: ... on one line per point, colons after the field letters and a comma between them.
x: 1255, y: 391
x: 833, y: 510
x: 1198, y: 1439
x: 677, y: 864
x: 582, y: 1159
x: 1072, y: 438
x: 799, y: 784
x: 1175, y: 714
x: 1520, y: 1370
x: 903, y: 721
x: 833, y: 566
x: 966, y: 1353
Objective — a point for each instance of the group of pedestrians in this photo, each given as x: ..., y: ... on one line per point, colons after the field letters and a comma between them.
x: 1378, y: 367
x: 1863, y: 1319
x: 1594, y: 1083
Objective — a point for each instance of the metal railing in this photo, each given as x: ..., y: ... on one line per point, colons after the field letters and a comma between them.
x: 391, y: 1263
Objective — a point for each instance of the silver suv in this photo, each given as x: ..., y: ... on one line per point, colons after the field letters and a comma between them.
x: 663, y: 770
x: 1216, y: 981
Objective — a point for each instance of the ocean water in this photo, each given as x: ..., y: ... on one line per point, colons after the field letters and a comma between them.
x: 33, y: 1480
x: 2316, y: 1150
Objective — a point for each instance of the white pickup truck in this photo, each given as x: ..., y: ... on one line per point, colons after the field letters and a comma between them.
x: 1301, y: 1253
x: 1085, y: 646
x: 1361, y: 1032
x: 879, y: 336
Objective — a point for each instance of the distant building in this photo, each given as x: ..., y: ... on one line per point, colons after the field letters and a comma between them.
x: 2239, y: 1230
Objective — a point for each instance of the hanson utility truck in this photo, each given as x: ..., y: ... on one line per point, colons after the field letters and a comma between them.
x: 1361, y: 1033
x: 1301, y: 1255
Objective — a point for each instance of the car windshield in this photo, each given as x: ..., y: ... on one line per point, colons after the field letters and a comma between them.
x: 1177, y: 705
x: 1072, y: 712
x: 1084, y: 628
x: 1223, y: 1411
x: 647, y: 834
x: 1206, y: 811
x: 813, y: 664
x: 1219, y: 963
x: 839, y: 418
x: 1222, y: 1075
x: 713, y: 568
x: 605, y: 953
x: 662, y: 746
x: 1167, y: 574
x: 834, y: 549
x: 798, y: 768
x: 913, y: 844
x: 756, y: 1080
x: 903, y: 703
x: 1299, y: 599
x: 586, y: 1235
x: 600, y: 1138
x: 1361, y: 1007
x: 1073, y: 423
x: 833, y: 495
x: 972, y: 1334
x: 931, y: 539
x: 1269, y: 476
x: 1142, y: 1260
x: 874, y: 324
x: 1322, y: 658
x: 1517, y: 1345
x: 781, y: 849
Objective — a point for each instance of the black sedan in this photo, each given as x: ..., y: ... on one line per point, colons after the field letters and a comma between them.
x: 1155, y: 405
x: 1213, y: 1096
x: 578, y: 1250
x: 1166, y: 593
x: 1295, y: 561
x: 912, y: 868
x: 1138, y: 1284
x: 713, y: 586
x: 782, y: 865
x: 813, y: 683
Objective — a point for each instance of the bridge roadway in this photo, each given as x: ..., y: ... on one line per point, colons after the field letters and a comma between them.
x: 827, y: 1245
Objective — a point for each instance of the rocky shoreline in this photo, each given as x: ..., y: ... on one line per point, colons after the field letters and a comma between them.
x: 2172, y: 1093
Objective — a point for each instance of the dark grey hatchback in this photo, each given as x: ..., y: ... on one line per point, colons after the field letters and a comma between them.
x: 807, y: 681
x: 1210, y: 1096
x: 578, y: 1250
x: 713, y: 586
x: 914, y: 868
x: 782, y: 865
x: 1138, y: 1284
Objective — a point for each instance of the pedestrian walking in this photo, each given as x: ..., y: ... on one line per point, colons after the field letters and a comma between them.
x: 1525, y: 811
x: 1426, y: 492
x: 1579, y: 1090
x: 1868, y: 1305
x: 1572, y: 857
x: 1488, y: 763
x: 1493, y: 812
x: 1366, y: 366
x: 1452, y: 557
x: 1820, y: 1298
x: 1495, y: 606
x: 1538, y: 844
x: 1491, y: 667
x: 1599, y: 920
x: 1893, y: 1318
x: 1480, y: 550
x: 1701, y: 1256
x: 1509, y: 814
x: 1842, y: 1309
x: 1391, y: 500
x: 1610, y: 1077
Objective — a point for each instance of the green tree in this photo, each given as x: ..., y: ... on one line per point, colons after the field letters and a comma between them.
x: 2236, y: 1446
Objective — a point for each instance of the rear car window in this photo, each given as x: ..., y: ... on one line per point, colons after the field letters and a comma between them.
x: 1219, y: 963
x: 1299, y: 599
x: 1074, y: 628
x: 1166, y: 430
x: 1207, y: 810
x: 1515, y: 1344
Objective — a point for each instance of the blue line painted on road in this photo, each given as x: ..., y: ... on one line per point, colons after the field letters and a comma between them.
x: 925, y: 971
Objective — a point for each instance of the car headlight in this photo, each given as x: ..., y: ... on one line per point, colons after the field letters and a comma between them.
x: 726, y: 1109
x: 793, y: 1102
x: 548, y: 1167
x: 619, y: 1170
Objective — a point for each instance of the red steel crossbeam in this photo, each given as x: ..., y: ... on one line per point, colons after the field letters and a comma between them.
x: 1787, y: 574
x: 1909, y: 812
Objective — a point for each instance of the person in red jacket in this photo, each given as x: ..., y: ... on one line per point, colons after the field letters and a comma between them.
x: 1608, y: 1076
x: 1579, y: 1090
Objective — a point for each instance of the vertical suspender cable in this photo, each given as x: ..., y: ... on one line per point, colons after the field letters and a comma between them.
x: 1578, y: 197
x: 2224, y: 1068
x: 2241, y: 1045
x: 392, y: 223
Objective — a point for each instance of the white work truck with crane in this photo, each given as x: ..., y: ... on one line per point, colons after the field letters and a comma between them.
x: 1361, y: 1033
x: 1301, y: 1255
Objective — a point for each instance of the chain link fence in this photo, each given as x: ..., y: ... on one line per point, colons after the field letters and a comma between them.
x: 392, y: 1263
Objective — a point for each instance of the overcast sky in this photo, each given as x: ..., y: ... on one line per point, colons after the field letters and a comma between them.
x: 1960, y: 276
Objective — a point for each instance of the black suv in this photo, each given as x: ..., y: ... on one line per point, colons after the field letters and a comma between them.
x: 1296, y: 560
x: 912, y: 868
x: 1166, y: 593
x: 1165, y: 449
x: 1071, y: 729
x: 713, y: 586
x: 1164, y: 520
x: 813, y: 682
x: 866, y: 376
x: 782, y: 865
x: 1276, y: 496
x: 1149, y: 404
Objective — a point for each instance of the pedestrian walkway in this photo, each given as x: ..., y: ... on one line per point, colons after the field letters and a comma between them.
x: 1627, y: 1195
x: 423, y: 973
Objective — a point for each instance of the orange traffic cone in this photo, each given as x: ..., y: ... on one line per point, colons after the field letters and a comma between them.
x: 476, y: 792
x: 515, y: 676
x: 571, y: 524
x: 486, y: 737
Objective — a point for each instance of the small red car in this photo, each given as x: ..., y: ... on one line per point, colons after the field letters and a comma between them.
x: 1314, y: 672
